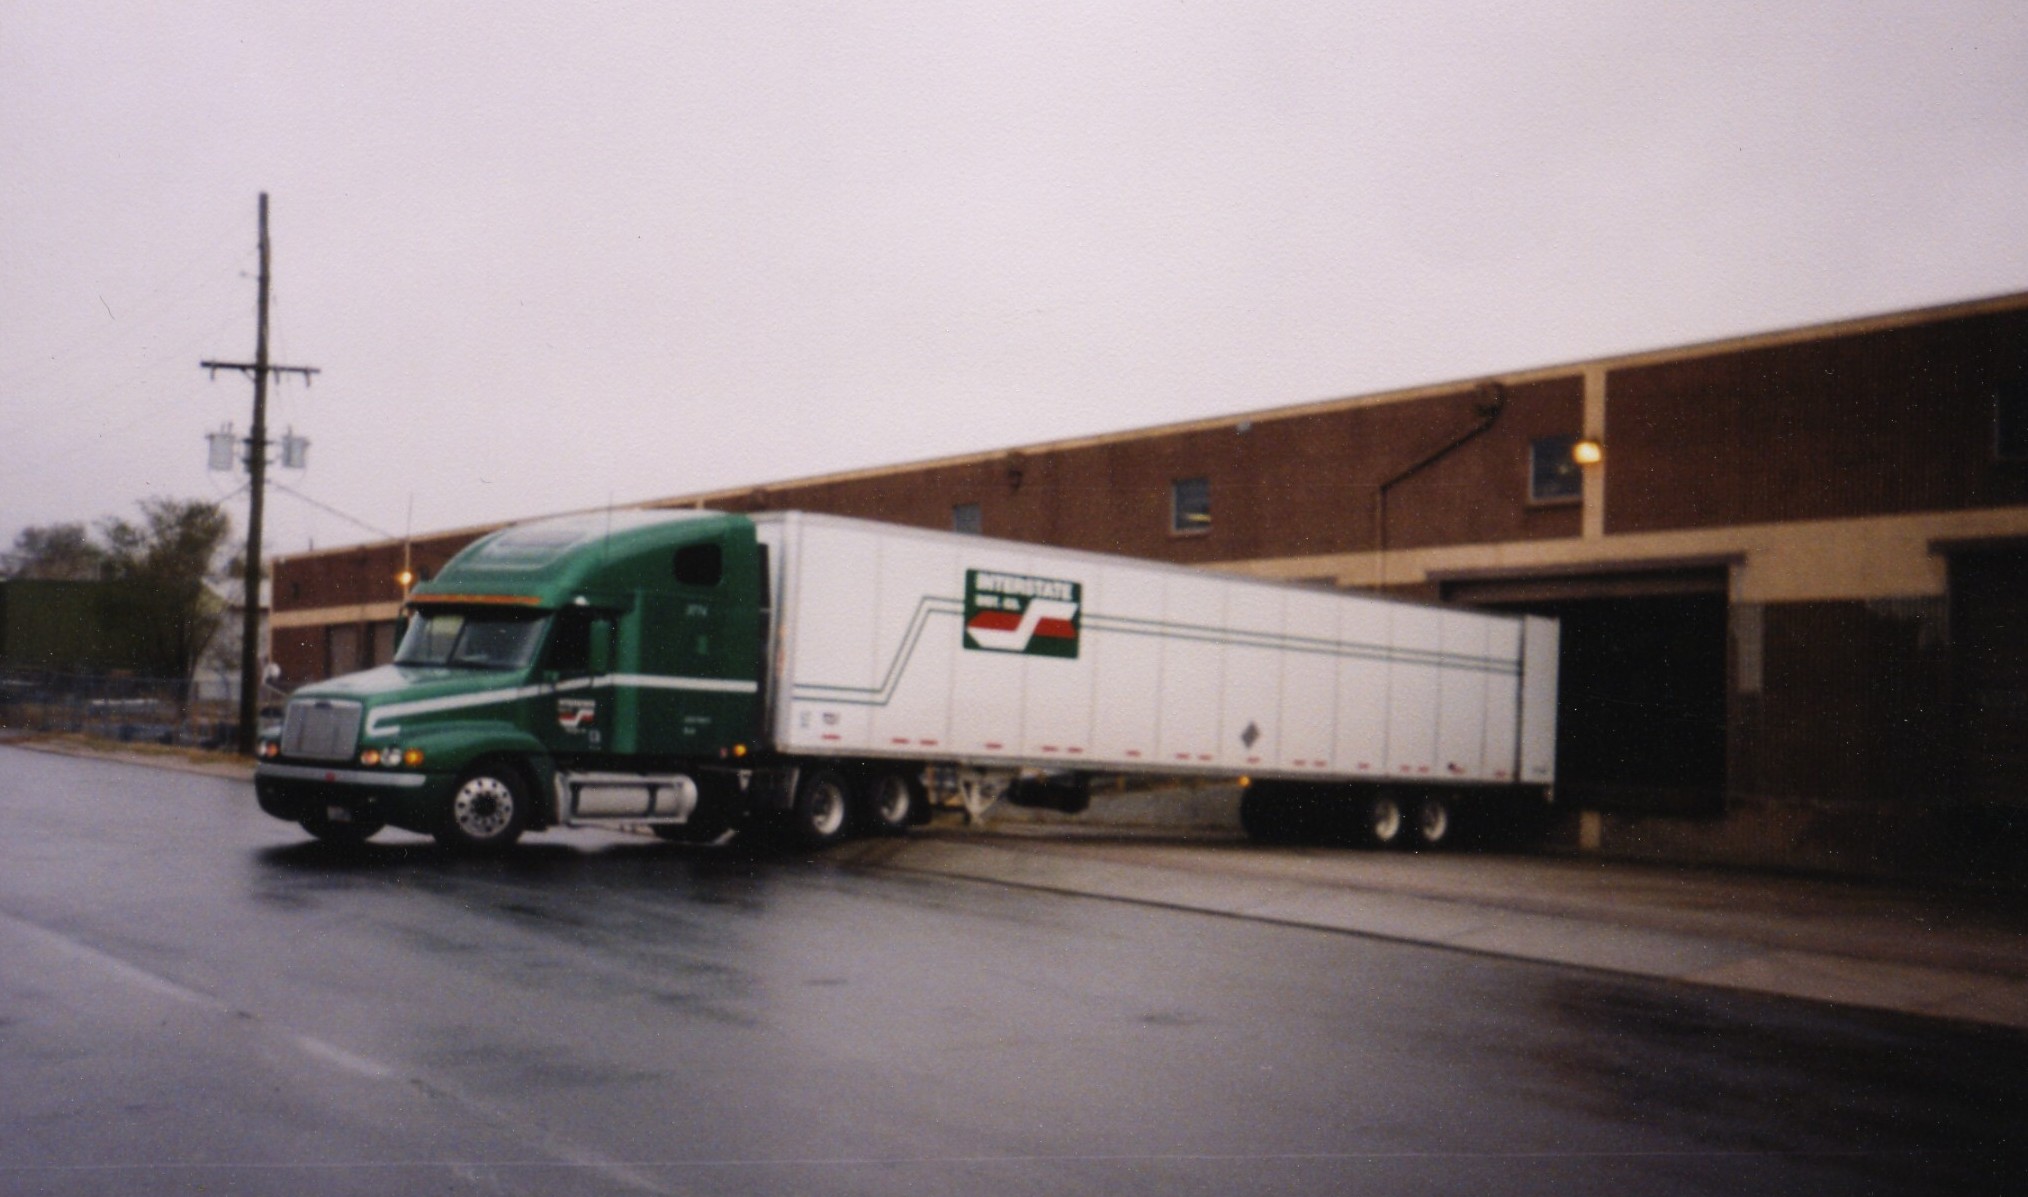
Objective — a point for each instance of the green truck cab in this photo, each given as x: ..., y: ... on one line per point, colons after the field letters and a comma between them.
x: 602, y: 668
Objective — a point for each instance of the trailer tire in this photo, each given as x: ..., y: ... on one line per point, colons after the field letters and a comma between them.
x: 891, y: 801
x: 356, y: 832
x: 1435, y: 821
x: 487, y: 811
x: 1385, y: 821
x: 821, y: 812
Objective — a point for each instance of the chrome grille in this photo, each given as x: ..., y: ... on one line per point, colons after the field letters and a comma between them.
x: 321, y: 729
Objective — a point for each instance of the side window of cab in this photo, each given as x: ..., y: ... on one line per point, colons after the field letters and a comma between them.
x: 570, y: 643
x: 700, y: 565
x: 581, y: 643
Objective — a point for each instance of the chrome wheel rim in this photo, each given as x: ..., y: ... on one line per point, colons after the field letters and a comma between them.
x: 1386, y: 823
x: 827, y: 808
x: 1435, y: 821
x: 891, y: 800
x: 483, y: 807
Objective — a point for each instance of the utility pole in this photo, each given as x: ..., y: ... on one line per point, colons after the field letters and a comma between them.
x: 256, y: 464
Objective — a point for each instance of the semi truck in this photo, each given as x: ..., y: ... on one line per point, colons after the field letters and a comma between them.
x: 811, y: 676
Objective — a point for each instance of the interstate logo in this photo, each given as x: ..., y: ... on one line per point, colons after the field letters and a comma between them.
x: 1010, y: 613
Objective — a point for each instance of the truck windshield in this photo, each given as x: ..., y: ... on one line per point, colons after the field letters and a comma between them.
x: 472, y: 639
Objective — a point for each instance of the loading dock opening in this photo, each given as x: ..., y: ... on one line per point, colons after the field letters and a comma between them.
x: 1641, y: 710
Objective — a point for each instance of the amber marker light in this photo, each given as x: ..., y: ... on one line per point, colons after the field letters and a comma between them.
x: 1587, y: 452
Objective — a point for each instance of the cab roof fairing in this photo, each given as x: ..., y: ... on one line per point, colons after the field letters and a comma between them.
x: 579, y: 560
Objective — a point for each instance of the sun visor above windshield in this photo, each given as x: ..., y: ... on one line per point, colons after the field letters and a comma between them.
x: 483, y: 600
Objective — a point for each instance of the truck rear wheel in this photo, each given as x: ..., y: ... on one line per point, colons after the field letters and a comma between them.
x: 821, y: 810
x: 891, y: 801
x: 486, y: 812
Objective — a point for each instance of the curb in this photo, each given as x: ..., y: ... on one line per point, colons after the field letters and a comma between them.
x: 1709, y: 961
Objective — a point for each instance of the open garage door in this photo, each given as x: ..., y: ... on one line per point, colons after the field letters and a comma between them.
x: 1641, y: 706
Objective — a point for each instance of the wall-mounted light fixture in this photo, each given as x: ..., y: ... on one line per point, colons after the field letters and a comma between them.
x: 1587, y: 452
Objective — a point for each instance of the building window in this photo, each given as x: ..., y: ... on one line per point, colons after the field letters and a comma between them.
x: 2010, y: 422
x: 1190, y: 505
x: 1553, y: 473
x: 965, y: 518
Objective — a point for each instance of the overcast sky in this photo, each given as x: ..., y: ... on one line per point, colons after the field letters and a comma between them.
x: 550, y: 256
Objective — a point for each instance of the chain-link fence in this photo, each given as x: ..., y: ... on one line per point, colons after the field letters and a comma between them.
x: 120, y: 707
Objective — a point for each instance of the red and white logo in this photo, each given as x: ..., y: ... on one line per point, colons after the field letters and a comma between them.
x: 576, y: 714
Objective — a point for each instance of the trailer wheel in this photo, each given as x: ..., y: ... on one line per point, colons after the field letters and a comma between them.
x: 821, y: 810
x: 1384, y: 821
x: 1433, y: 821
x: 486, y: 812
x: 891, y: 801
x: 356, y: 832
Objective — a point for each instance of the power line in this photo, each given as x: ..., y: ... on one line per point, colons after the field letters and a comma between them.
x: 330, y: 510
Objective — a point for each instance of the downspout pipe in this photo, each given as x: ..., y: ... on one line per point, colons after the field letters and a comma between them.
x: 1492, y: 401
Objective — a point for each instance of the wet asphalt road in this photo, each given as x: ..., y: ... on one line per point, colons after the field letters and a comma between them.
x: 195, y: 999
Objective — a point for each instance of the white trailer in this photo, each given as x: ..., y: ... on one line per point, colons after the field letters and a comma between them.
x: 990, y: 661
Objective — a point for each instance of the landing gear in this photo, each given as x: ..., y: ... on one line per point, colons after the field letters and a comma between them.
x: 1279, y: 813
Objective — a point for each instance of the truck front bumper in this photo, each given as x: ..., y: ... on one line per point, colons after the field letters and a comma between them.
x: 297, y: 792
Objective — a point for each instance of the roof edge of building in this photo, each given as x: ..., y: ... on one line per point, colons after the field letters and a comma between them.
x: 1844, y: 327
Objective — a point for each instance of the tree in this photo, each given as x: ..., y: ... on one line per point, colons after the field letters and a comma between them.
x: 54, y: 552
x: 164, y: 563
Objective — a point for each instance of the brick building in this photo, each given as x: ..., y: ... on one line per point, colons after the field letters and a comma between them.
x: 1794, y: 587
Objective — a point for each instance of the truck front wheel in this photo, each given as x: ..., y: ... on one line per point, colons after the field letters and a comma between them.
x: 487, y: 811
